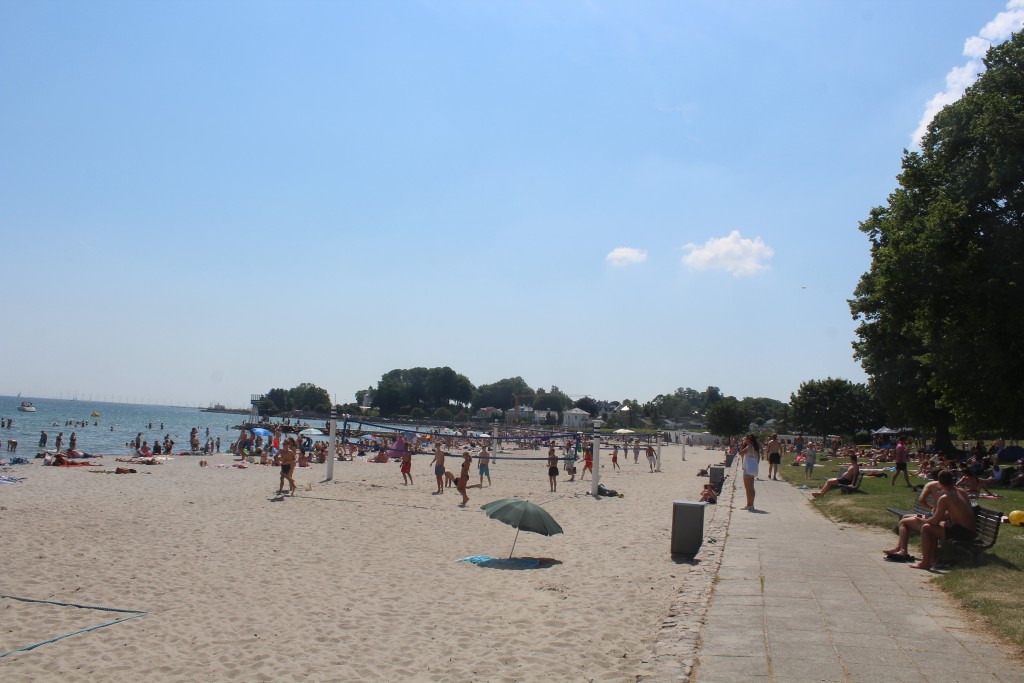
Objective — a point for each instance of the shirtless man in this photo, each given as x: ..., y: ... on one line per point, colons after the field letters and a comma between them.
x: 288, y: 457
x: 849, y: 477
x: 929, y: 497
x: 483, y: 465
x: 651, y: 457
x: 953, y: 518
x: 774, y: 450
x: 438, y: 463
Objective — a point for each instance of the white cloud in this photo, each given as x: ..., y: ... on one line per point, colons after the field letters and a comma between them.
x: 961, y: 77
x: 626, y: 256
x: 734, y: 253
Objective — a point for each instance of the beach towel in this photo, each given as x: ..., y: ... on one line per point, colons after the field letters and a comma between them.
x: 8, y: 479
x: 502, y: 562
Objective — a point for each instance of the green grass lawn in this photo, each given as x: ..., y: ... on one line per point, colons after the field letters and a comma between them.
x: 993, y: 590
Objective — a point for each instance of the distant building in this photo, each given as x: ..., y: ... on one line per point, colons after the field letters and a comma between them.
x: 574, y: 418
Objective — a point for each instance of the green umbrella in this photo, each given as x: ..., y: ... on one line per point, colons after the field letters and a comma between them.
x: 523, y: 515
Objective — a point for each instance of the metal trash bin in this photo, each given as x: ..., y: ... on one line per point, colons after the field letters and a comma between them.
x: 687, y: 526
x: 717, y: 474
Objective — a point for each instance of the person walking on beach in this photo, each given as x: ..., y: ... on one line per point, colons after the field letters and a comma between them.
x: 774, y: 450
x: 73, y: 441
x: 59, y: 442
x: 463, y: 481
x: 406, y: 464
x: 288, y: 458
x: 588, y: 462
x: 484, y: 466
x: 750, y: 451
x: 552, y: 470
x: 438, y: 463
x: 651, y: 457
x: 615, y: 457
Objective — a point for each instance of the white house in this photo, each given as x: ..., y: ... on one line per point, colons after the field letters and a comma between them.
x: 574, y: 418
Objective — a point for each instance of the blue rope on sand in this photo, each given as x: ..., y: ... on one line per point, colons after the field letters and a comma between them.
x: 135, y: 614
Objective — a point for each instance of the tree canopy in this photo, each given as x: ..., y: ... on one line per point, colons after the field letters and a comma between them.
x: 726, y: 417
x: 940, y: 330
x: 306, y: 397
x: 834, y: 406
x: 403, y: 391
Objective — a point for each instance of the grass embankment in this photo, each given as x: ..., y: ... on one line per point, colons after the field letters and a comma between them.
x: 992, y: 590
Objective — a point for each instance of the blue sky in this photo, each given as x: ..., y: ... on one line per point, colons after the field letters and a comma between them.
x: 199, y: 201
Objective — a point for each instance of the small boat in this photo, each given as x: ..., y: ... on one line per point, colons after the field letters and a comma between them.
x: 27, y: 407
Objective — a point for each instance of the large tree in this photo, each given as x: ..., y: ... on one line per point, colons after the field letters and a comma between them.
x: 941, y: 310
x: 834, y: 406
x: 726, y: 417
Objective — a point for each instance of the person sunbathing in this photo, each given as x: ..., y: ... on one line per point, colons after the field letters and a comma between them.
x: 847, y: 479
x: 708, y: 495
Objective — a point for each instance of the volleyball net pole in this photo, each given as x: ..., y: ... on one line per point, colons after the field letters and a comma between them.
x: 595, y: 445
x: 332, y: 444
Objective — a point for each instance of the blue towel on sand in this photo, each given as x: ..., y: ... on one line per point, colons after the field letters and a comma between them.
x: 502, y: 562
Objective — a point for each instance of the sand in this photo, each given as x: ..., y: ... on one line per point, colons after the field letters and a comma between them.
x: 353, y: 579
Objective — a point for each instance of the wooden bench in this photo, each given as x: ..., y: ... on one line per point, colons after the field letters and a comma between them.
x: 918, y: 509
x: 988, y: 522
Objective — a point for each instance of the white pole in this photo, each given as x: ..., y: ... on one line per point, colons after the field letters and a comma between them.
x: 595, y: 444
x: 332, y: 447
x: 657, y: 464
x: 494, y: 441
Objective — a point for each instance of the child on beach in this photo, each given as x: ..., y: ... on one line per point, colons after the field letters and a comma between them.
x: 552, y: 470
x: 406, y: 466
x: 288, y: 457
x: 708, y: 495
x: 461, y: 485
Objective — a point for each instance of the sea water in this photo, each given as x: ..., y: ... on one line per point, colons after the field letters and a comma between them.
x: 117, y: 424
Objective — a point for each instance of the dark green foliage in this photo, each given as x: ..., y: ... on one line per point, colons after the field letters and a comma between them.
x: 834, y: 406
x: 726, y: 417
x: 941, y: 330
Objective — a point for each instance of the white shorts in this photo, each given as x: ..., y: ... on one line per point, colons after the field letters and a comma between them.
x: 750, y: 466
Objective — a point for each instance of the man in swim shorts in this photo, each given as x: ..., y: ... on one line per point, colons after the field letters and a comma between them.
x: 438, y: 463
x: 774, y: 449
x: 483, y: 465
x: 848, y: 478
x: 953, y: 519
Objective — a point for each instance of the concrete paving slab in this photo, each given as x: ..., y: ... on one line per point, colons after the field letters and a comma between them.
x: 831, y: 608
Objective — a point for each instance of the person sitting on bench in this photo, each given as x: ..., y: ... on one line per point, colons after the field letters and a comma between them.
x: 848, y: 479
x: 910, y: 523
x: 953, y: 519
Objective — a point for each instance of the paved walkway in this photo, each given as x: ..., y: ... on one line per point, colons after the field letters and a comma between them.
x: 800, y: 598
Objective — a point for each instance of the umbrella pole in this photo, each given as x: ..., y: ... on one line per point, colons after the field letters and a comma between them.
x: 514, y: 544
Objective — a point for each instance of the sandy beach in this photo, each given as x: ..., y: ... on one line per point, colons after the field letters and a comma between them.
x: 353, y: 579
